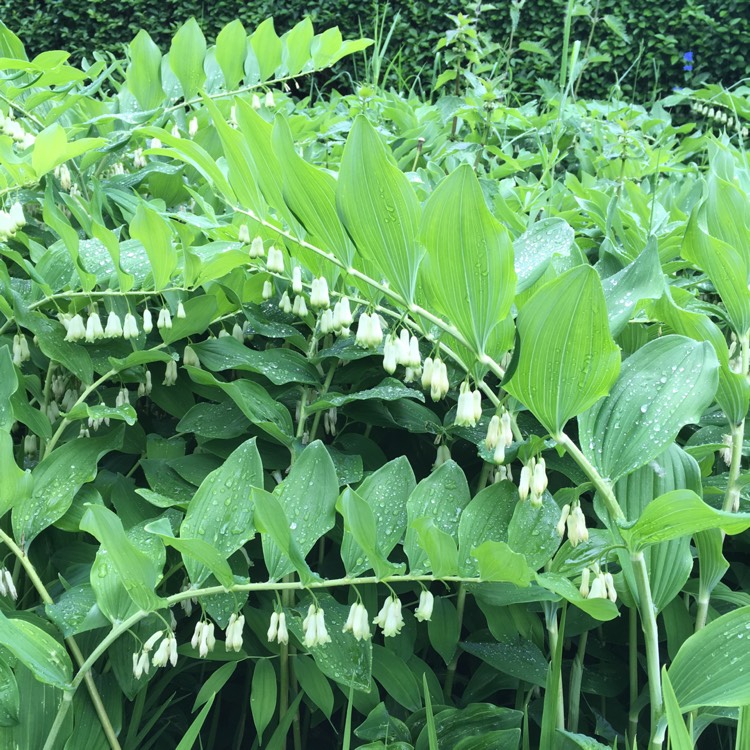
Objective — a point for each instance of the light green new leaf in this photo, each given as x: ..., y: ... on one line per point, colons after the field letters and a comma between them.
x: 599, y: 609
x: 231, y: 49
x: 12, y: 475
x: 186, y: 56
x: 438, y: 546
x: 711, y: 667
x: 271, y: 520
x: 57, y: 479
x: 679, y: 736
x: 641, y: 279
x: 359, y: 522
x: 263, y: 695
x: 379, y: 207
x: 155, y: 234
x: 665, y: 385
x: 498, y: 562
x: 440, y: 497
x: 8, y: 386
x: 468, y: 268
x: 135, y: 569
x: 568, y: 359
x: 143, y: 75
x: 296, y: 51
x: 45, y: 656
x: 267, y: 47
x: 680, y: 513
x: 308, y: 496
x: 221, y: 511
x: 536, y: 247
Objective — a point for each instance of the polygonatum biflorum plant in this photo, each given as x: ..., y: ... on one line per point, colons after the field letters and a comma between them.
x: 358, y: 421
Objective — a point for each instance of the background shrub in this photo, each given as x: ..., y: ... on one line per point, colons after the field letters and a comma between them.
x: 716, y: 31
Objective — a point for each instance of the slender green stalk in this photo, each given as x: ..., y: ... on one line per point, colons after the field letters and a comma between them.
x: 651, y: 636
x: 323, y: 391
x: 550, y: 616
x: 450, y: 674
x: 574, y: 690
x: 732, y: 494
x: 62, y: 712
x: 566, y: 43
x: 633, y: 672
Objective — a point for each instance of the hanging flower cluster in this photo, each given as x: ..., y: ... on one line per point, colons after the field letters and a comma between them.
x: 435, y: 378
x: 11, y: 221
x: 499, y: 436
x: 358, y: 622
x: 13, y: 128
x: 602, y: 587
x: 469, y: 408
x: 314, y: 626
x: 533, y: 481
x: 575, y: 521
x: 277, y: 630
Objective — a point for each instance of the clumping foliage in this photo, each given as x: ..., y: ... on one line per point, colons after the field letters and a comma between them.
x: 365, y: 421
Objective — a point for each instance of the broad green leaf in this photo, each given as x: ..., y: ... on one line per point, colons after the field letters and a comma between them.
x: 439, y: 547
x: 711, y: 667
x: 198, y: 550
x: 665, y: 385
x: 389, y: 389
x: 533, y: 531
x: 582, y: 741
x: 345, y: 660
x: 599, y: 609
x: 10, y: 703
x: 45, y: 656
x: 308, y: 496
x: 270, y: 519
x: 440, y: 497
x: 386, y: 491
x: 186, y: 55
x: 360, y: 523
x: 76, y: 611
x: 680, y: 513
x: 444, y: 629
x: 263, y: 695
x: 11, y: 487
x: 498, y: 562
x: 135, y: 569
x: 314, y: 684
x: 468, y: 268
x: 155, y: 234
x: 467, y: 728
x: 535, y: 248
x: 57, y: 479
x: 231, y: 49
x: 280, y: 366
x: 518, y: 658
x: 125, y: 413
x: 486, y: 518
x: 641, y: 279
x: 379, y: 208
x: 221, y: 511
x: 296, y: 52
x: 8, y: 386
x: 679, y: 736
x: 398, y: 681
x: 568, y: 359
x: 143, y: 75
x: 51, y: 148
x: 267, y: 47
x: 669, y: 564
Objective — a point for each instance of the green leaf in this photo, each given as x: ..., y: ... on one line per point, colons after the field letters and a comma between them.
x: 11, y: 488
x: 231, y: 50
x: 221, y: 511
x: 665, y: 385
x: 536, y: 247
x: 215, y: 683
x: 440, y: 497
x: 263, y: 695
x: 308, y: 496
x: 143, y: 75
x: 296, y: 52
x: 390, y: 389
x: 398, y: 681
x: 599, y: 609
x: 680, y: 513
x: 711, y: 667
x: 517, y: 657
x: 533, y: 531
x: 444, y: 629
x: 498, y: 562
x: 57, y: 479
x: 10, y: 702
x: 314, y: 684
x: 280, y: 366
x: 155, y: 234
x: 359, y: 522
x: 271, y: 520
x: 8, y: 386
x: 135, y: 569
x: 186, y: 55
x: 679, y: 736
x: 267, y: 47
x: 45, y: 656
x: 568, y: 359
x: 439, y: 547
x: 468, y: 269
x: 191, y: 734
x: 379, y: 208
x: 486, y: 518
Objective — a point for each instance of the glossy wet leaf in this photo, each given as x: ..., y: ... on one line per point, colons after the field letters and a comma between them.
x: 263, y: 695
x: 533, y: 531
x: 498, y: 562
x: 665, y: 385
x: 568, y: 359
x: 536, y: 247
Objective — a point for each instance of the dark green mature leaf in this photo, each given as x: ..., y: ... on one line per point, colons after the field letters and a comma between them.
x: 518, y: 658
x: 568, y: 359
x: 390, y: 389
x: 533, y: 531
x: 221, y: 511
x: 10, y: 703
x: 665, y: 385
x: 440, y: 497
x: 468, y: 269
x: 711, y: 667
x: 263, y: 695
x: 45, y: 656
x: 679, y: 735
x: 398, y: 681
x: 308, y: 496
x: 57, y: 479
x: 379, y: 208
x: 681, y: 513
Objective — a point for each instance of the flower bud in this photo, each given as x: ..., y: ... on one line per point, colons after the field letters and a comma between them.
x: 114, y: 326
x: 258, y: 250
x: 267, y: 289
x: 297, y: 280
x: 524, y: 482
x: 148, y: 322
x: 424, y: 610
x: 193, y: 127
x: 243, y: 236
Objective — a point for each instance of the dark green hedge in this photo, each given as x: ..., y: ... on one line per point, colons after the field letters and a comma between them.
x: 716, y: 31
